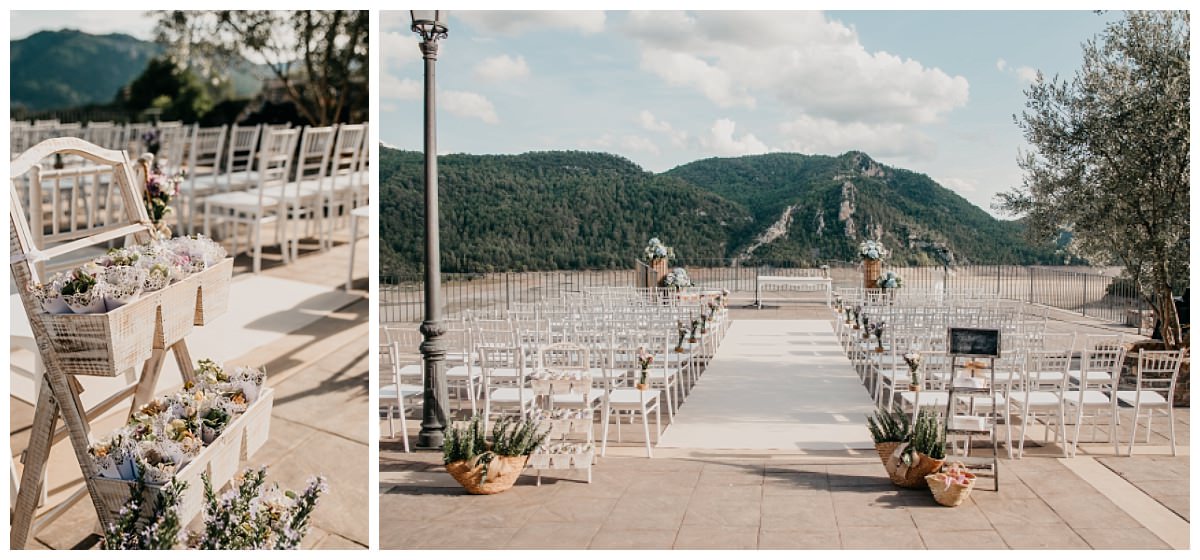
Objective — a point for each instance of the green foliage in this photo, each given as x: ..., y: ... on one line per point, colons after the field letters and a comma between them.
x: 889, y: 426
x: 510, y: 438
x: 1111, y: 156
x: 463, y: 444
x: 255, y: 516
x: 927, y: 434
x: 580, y: 210
x: 175, y: 90
x: 546, y: 211
x: 136, y: 530
x: 250, y: 516
x: 70, y: 68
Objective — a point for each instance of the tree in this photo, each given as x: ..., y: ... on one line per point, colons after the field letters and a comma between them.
x: 164, y: 85
x: 319, y: 59
x: 1110, y: 156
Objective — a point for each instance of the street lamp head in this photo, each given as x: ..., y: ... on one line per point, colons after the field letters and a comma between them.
x: 429, y: 24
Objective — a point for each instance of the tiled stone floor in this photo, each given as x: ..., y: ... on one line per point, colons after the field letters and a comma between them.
x: 779, y: 503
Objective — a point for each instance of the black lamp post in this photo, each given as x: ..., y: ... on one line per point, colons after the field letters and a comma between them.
x: 431, y: 26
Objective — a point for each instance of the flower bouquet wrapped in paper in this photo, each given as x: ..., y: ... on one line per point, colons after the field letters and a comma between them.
x: 83, y: 292
x: 49, y: 294
x: 123, y: 285
x: 113, y: 457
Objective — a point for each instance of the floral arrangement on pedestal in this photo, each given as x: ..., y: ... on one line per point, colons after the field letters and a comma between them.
x: 161, y: 188
x: 872, y: 254
x: 644, y: 359
x: 913, y: 361
x: 865, y: 326
x: 249, y: 516
x: 655, y: 250
x: 677, y: 279
x: 123, y: 274
x: 692, y: 336
x: 837, y: 302
x: 890, y: 281
x: 871, y: 250
x: 165, y: 434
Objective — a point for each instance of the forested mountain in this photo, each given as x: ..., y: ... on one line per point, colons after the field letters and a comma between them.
x: 69, y: 68
x: 835, y: 202
x: 570, y: 210
x: 546, y: 210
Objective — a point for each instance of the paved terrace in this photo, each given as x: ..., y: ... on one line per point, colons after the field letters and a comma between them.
x: 700, y: 497
x: 318, y: 368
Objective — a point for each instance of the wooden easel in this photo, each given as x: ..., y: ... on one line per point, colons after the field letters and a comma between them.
x: 59, y: 394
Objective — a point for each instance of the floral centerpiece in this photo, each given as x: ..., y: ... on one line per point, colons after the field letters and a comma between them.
x: 876, y: 330
x: 695, y: 326
x: 913, y: 360
x: 677, y: 279
x: 122, y: 274
x: 872, y: 251
x: 644, y: 360
x: 656, y: 251
x: 160, y: 189
x: 865, y: 326
x: 683, y: 331
x: 152, y: 139
x: 872, y: 254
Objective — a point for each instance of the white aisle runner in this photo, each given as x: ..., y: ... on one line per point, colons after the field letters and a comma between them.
x: 782, y: 385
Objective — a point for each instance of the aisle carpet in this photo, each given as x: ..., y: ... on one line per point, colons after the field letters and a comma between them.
x: 775, y: 384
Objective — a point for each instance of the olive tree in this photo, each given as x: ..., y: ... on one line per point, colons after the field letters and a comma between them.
x: 318, y: 58
x: 1109, y: 160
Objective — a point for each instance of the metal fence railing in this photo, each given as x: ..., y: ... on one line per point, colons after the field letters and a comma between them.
x: 1101, y: 295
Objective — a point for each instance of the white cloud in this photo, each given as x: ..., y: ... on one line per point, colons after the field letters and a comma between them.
x: 1026, y: 74
x: 811, y: 135
x: 721, y: 140
x: 1001, y: 64
x: 649, y: 122
x: 399, y: 48
x: 959, y: 184
x: 501, y: 67
x: 515, y: 22
x: 602, y: 142
x: 391, y: 87
x: 639, y: 144
x: 468, y: 104
x: 808, y: 62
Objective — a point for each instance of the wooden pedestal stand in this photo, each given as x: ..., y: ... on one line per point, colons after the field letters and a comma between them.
x: 100, y: 349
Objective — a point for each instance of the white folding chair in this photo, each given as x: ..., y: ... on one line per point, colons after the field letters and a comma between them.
x: 1158, y: 371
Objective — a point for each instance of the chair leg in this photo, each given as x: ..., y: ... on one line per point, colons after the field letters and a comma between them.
x: 1137, y: 408
x: 604, y: 431
x: 257, y: 242
x: 1171, y: 427
x: 646, y: 429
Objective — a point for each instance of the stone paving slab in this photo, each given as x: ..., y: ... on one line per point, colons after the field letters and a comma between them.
x: 728, y: 504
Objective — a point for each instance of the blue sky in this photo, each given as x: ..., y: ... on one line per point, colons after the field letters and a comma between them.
x: 934, y: 92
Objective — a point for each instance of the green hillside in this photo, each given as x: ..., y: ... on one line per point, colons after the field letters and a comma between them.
x: 546, y: 210
x: 69, y: 68
x: 569, y: 210
x: 837, y: 202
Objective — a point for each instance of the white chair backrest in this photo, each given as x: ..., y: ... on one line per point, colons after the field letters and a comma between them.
x: 175, y: 142
x: 316, y: 146
x: 275, y: 157
x: 105, y: 134
x: 346, y: 149
x: 1158, y: 370
x: 207, y: 147
x: 243, y: 146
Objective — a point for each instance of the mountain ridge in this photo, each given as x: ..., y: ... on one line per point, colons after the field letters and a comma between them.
x: 800, y: 209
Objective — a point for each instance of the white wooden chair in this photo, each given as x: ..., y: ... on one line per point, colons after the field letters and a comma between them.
x: 1158, y: 371
x: 302, y: 197
x: 393, y: 391
x: 343, y: 171
x: 105, y: 134
x: 203, y: 173
x: 622, y: 398
x: 254, y: 208
x: 1100, y: 368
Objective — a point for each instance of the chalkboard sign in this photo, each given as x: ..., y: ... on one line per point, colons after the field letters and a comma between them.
x: 980, y: 343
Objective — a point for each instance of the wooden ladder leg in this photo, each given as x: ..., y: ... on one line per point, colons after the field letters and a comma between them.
x: 74, y: 415
x: 144, y: 392
x: 45, y: 419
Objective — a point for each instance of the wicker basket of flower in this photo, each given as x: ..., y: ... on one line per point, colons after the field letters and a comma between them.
x: 923, y: 454
x: 889, y: 429
x: 490, y: 467
x: 951, y: 487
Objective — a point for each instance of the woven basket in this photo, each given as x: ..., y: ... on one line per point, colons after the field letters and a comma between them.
x: 872, y: 270
x: 885, y: 450
x: 911, y: 476
x: 219, y: 459
x: 502, y: 474
x: 953, y: 496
